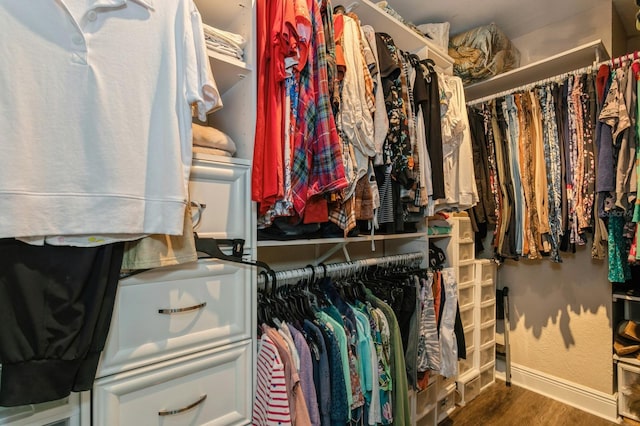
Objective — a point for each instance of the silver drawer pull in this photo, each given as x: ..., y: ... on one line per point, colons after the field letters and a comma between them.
x: 179, y: 310
x: 182, y: 410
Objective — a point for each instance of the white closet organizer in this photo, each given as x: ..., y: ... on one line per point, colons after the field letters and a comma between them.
x: 438, y: 400
x: 581, y: 56
x: 182, y: 339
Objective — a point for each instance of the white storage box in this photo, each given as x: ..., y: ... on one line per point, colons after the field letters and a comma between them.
x: 466, y: 251
x: 487, y: 375
x: 487, y: 291
x: 487, y: 312
x: 487, y: 354
x: 487, y: 333
x: 426, y: 401
x: 465, y: 295
x: 465, y: 232
x: 628, y: 390
x: 465, y: 273
x: 466, y: 316
x: 468, y: 390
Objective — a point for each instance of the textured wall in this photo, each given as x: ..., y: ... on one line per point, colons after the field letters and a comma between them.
x: 561, y: 318
x: 565, y: 34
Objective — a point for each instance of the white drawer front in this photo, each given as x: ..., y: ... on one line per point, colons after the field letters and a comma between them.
x: 217, y: 300
x: 138, y: 397
x: 223, y: 191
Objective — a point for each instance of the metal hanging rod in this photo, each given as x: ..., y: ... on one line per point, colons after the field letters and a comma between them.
x: 343, y: 269
x: 631, y: 56
x: 529, y: 86
x: 560, y: 77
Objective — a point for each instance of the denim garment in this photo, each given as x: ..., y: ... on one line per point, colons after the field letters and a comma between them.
x: 321, y: 372
x: 511, y: 115
x: 339, y: 410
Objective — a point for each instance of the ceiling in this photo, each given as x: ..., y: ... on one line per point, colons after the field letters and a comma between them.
x: 513, y: 17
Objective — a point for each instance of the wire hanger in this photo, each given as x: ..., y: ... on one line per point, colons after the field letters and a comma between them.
x: 210, y: 247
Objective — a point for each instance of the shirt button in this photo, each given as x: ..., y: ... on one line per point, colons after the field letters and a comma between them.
x: 92, y: 16
x: 77, y: 39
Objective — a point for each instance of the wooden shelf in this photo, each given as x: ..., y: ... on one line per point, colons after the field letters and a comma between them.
x: 570, y: 60
x: 404, y: 37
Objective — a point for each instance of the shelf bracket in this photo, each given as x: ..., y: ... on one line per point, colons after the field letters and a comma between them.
x: 333, y: 250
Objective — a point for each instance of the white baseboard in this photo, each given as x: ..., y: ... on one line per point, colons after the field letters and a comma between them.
x: 578, y: 396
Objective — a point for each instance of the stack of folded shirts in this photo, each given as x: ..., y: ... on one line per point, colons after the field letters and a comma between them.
x: 210, y: 140
x: 224, y: 42
x: 438, y: 224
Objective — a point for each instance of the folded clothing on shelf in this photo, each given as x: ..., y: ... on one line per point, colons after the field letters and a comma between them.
x: 213, y: 140
x: 224, y: 42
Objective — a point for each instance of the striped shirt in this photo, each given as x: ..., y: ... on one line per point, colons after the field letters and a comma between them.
x: 271, y: 404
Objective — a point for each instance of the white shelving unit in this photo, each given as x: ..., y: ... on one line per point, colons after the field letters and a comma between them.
x: 570, y: 60
x: 195, y: 323
x: 403, y: 36
x: 626, y: 307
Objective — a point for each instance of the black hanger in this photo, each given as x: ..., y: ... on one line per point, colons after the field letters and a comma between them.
x: 210, y: 247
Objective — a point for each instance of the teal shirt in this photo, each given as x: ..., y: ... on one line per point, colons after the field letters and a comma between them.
x: 341, y: 337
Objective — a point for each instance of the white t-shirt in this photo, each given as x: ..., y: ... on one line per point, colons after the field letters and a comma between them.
x: 95, y: 115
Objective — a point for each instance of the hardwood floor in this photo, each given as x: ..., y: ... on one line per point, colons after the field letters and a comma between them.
x: 502, y: 405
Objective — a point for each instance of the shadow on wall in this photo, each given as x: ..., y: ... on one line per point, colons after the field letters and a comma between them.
x: 546, y: 295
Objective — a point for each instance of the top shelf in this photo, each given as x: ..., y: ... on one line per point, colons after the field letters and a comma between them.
x: 570, y: 60
x: 360, y: 239
x: 624, y: 296
x: 404, y: 37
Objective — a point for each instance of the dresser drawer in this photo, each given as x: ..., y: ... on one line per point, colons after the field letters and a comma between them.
x: 220, y: 196
x: 204, y: 304
x: 207, y: 388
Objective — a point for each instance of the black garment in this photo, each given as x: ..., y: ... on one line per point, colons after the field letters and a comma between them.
x: 55, y: 311
x: 426, y: 93
x: 483, y: 213
x: 459, y: 331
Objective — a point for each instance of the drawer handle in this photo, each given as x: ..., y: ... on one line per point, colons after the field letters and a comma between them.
x: 180, y: 310
x: 183, y: 409
x: 198, y: 216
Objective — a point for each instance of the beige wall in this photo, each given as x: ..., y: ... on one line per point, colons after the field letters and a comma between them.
x: 561, y: 318
x: 567, y: 34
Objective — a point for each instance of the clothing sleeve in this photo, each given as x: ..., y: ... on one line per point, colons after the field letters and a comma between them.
x: 201, y: 87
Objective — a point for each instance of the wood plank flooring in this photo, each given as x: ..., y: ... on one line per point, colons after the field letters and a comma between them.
x: 502, y: 405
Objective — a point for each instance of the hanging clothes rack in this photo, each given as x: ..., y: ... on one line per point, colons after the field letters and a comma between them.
x: 345, y: 268
x: 618, y: 61
x: 613, y: 62
x: 529, y: 86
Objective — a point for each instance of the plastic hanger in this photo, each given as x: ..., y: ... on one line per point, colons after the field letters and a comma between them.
x: 210, y: 247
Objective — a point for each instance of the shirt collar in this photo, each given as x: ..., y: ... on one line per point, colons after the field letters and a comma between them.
x: 115, y: 3
x: 146, y: 3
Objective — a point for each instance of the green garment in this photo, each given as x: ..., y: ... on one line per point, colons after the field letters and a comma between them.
x: 401, y: 411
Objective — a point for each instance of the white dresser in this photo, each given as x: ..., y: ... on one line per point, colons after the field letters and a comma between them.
x: 181, y: 342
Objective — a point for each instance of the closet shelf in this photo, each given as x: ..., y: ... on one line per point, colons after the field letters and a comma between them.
x: 403, y: 36
x: 624, y: 296
x: 221, y: 159
x: 227, y: 70
x: 348, y: 240
x: 570, y: 60
x: 627, y: 360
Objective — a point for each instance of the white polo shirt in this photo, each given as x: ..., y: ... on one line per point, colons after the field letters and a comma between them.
x: 95, y: 115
